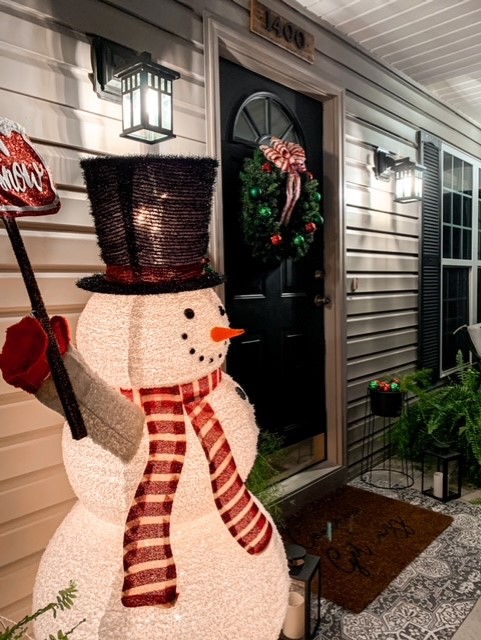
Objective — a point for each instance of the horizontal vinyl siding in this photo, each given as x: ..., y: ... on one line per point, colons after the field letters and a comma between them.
x: 45, y: 86
x: 382, y: 246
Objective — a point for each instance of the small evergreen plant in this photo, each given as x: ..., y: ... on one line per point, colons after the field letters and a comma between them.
x: 64, y: 600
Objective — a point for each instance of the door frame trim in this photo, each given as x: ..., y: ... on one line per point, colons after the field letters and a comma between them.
x: 225, y: 39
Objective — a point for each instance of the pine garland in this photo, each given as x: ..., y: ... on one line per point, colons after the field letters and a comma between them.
x: 263, y: 197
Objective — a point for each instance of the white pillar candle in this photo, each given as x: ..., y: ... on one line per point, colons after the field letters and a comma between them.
x: 293, y: 627
x: 438, y: 484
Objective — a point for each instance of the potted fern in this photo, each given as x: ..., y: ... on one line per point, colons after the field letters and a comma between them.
x: 445, y: 417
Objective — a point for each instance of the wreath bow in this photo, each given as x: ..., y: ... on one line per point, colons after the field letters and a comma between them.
x: 290, y: 158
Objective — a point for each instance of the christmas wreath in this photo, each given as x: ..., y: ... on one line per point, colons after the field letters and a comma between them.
x: 280, y: 202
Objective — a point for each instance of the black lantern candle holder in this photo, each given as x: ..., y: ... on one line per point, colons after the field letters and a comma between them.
x: 305, y: 575
x: 447, y: 478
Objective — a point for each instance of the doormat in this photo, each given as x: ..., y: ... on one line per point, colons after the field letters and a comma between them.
x: 364, y: 540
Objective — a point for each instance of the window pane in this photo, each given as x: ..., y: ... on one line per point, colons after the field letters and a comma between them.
x: 455, y: 311
x: 447, y: 206
x: 468, y: 178
x: 456, y: 218
x: 447, y: 242
x: 457, y: 174
x: 447, y: 171
x: 466, y: 254
x: 457, y: 248
x: 478, y: 305
x: 467, y: 211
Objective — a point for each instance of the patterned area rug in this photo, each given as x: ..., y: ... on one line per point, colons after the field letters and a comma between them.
x: 432, y: 596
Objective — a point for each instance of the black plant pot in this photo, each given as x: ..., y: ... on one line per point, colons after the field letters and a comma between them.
x: 386, y: 403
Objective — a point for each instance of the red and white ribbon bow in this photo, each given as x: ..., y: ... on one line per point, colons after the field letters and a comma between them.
x: 290, y: 158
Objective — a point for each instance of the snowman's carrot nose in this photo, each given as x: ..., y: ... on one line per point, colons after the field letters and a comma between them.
x: 218, y: 334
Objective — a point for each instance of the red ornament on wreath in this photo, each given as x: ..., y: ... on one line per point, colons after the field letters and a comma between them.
x: 267, y: 167
x: 276, y: 240
x: 310, y: 227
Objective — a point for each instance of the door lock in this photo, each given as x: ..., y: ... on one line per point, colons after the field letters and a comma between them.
x: 320, y: 301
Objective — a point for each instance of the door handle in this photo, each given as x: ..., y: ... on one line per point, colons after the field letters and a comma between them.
x: 320, y: 301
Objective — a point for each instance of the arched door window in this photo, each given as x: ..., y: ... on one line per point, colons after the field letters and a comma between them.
x: 263, y: 115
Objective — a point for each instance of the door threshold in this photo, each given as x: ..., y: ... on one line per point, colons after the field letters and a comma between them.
x: 308, y: 485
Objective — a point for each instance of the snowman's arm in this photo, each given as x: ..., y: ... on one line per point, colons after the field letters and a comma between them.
x: 111, y: 420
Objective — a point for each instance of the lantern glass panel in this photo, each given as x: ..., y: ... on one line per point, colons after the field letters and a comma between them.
x: 166, y: 111
x: 126, y: 111
x: 153, y: 107
x: 136, y: 107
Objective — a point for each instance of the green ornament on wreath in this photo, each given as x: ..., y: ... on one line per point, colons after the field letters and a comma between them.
x: 280, y: 202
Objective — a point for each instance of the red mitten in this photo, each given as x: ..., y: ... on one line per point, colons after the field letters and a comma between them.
x: 23, y: 361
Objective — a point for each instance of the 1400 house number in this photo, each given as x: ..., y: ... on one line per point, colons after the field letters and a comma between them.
x: 285, y: 30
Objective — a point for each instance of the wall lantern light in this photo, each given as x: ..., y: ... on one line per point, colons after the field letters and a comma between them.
x: 408, y: 175
x: 143, y: 87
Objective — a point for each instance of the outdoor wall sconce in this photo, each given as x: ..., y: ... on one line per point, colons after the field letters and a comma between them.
x: 143, y: 87
x: 408, y: 175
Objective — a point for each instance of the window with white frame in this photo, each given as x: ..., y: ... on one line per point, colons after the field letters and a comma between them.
x: 461, y: 249
x: 450, y: 253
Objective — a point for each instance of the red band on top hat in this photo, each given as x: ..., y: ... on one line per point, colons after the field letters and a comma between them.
x: 154, y: 275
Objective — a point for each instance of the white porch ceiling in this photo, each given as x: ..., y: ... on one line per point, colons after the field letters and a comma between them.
x: 437, y: 43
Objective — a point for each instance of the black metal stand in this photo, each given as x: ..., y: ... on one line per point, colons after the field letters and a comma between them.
x: 377, y: 464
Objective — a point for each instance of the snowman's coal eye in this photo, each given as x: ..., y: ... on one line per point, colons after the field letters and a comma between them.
x: 221, y: 311
x: 189, y: 313
x: 184, y: 336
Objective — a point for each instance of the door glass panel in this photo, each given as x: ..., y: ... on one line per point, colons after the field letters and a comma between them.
x: 262, y: 115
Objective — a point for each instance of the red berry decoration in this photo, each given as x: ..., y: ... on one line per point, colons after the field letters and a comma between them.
x: 384, y: 386
x: 310, y: 227
x: 267, y: 167
x: 276, y: 240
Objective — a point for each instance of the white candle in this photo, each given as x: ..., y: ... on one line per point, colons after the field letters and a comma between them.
x: 438, y: 484
x: 293, y: 627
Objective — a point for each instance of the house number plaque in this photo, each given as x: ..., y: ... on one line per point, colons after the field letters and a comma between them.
x: 282, y: 32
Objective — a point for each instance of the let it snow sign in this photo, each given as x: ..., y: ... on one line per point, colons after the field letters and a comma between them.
x: 282, y: 32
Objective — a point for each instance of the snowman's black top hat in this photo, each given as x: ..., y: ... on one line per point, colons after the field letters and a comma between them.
x: 152, y: 216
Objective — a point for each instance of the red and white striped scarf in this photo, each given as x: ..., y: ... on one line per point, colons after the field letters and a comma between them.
x: 150, y: 576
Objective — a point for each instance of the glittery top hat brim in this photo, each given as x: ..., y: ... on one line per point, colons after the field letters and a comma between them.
x: 98, y: 283
x: 152, y: 216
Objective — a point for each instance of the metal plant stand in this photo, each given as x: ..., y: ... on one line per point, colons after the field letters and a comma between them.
x: 378, y: 466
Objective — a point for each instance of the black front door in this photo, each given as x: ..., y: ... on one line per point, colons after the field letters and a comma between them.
x: 279, y: 361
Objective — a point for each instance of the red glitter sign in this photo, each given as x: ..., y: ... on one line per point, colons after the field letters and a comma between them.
x: 26, y: 186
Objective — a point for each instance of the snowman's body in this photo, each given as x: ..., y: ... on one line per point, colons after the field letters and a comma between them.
x: 224, y: 592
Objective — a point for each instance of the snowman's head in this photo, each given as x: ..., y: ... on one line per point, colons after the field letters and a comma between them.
x: 154, y: 340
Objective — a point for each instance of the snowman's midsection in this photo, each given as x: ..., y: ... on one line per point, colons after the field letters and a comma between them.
x: 107, y: 486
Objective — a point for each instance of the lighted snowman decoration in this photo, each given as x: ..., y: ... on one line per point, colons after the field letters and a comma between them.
x: 168, y: 545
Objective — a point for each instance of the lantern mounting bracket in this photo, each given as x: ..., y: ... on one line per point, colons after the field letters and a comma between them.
x: 384, y: 161
x: 107, y: 58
